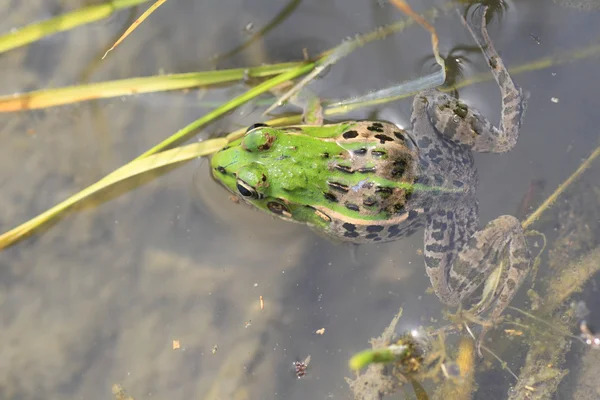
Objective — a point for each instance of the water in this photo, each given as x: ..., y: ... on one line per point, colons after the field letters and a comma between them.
x: 99, y: 297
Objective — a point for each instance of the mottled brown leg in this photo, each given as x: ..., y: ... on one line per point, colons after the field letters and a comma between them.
x: 464, y: 125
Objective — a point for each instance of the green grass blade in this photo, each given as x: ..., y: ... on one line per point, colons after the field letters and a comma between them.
x: 230, y: 105
x: 36, y: 31
x: 136, y: 167
x: 152, y: 159
x: 125, y: 87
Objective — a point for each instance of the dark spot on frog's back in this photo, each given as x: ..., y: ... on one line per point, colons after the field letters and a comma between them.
x: 398, y: 208
x: 399, y: 135
x: 375, y: 127
x: 399, y: 168
x: 377, y: 153
x: 374, y: 228
x: 344, y: 168
x: 349, y: 227
x: 350, y: 134
x: 372, y: 236
x: 351, y: 234
x: 384, y: 190
x: 369, y: 201
x: 352, y: 207
x: 360, y: 152
x: 338, y: 186
x: 383, y: 138
x: 330, y: 197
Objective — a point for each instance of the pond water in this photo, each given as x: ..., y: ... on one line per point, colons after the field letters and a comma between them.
x: 100, y: 296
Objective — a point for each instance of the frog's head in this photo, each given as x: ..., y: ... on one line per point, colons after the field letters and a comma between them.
x: 272, y: 170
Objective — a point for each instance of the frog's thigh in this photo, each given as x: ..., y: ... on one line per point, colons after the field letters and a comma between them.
x: 446, y: 232
x: 462, y: 124
x: 502, y: 240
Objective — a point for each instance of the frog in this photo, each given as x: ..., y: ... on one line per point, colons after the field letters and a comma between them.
x: 369, y: 181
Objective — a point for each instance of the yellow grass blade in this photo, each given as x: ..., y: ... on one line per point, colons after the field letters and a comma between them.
x: 135, y: 24
x: 154, y: 158
x: 136, y: 167
x: 36, y: 31
x: 126, y: 87
x: 435, y: 41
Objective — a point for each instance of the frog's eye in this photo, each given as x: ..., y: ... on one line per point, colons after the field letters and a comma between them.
x: 254, y: 126
x: 246, y: 190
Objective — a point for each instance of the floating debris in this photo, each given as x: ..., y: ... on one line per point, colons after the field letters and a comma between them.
x: 591, y: 338
x: 176, y: 344
x: 554, y: 100
x: 537, y: 39
x: 320, y: 331
x: 214, y: 349
x: 120, y: 393
x: 301, y: 366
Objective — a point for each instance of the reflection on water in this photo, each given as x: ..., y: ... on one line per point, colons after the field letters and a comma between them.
x: 98, y: 298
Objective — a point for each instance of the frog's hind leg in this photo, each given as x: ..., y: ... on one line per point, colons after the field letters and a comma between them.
x: 498, y: 256
x: 446, y: 232
x: 460, y: 259
x: 459, y: 123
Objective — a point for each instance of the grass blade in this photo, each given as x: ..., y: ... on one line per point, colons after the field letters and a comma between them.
x: 36, y: 31
x: 126, y: 87
x: 136, y: 167
x: 135, y: 24
x: 230, y: 105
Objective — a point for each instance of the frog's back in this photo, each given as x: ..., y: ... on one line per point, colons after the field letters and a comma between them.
x: 374, y: 180
x: 423, y: 172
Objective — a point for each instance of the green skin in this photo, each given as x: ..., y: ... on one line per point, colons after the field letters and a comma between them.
x: 369, y: 181
x: 289, y: 172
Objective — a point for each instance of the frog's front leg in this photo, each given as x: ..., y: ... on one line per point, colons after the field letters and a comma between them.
x: 312, y: 109
x: 464, y: 125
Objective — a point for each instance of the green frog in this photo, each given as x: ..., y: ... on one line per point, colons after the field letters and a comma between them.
x: 371, y: 181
